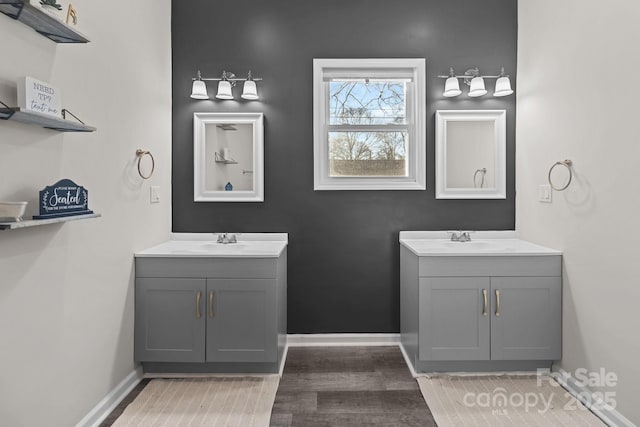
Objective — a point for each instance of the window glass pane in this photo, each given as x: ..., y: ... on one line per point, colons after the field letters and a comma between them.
x: 367, y: 102
x: 368, y: 153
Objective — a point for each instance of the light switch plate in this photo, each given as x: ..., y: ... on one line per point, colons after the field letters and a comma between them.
x: 154, y: 194
x: 544, y: 194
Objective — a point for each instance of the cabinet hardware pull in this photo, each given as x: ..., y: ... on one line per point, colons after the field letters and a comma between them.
x: 484, y: 306
x: 198, y: 305
x: 211, y: 304
x: 497, y: 303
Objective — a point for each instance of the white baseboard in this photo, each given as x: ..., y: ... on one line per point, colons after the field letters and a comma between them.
x: 342, y: 340
x: 409, y: 363
x: 284, y: 359
x: 111, y: 400
x: 606, y: 413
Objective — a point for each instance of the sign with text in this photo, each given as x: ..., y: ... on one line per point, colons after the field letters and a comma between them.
x: 40, y: 97
x: 64, y: 198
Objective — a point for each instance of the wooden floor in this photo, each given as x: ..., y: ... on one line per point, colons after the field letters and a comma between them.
x: 339, y: 386
x: 348, y: 386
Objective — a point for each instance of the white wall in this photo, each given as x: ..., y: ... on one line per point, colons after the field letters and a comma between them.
x: 578, y: 100
x: 66, y: 291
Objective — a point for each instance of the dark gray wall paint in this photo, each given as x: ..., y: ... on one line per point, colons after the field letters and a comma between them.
x: 343, y: 252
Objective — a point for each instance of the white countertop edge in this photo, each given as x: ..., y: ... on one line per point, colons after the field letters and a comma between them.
x: 252, y: 237
x: 446, y: 234
x: 406, y: 239
x: 193, y: 255
x: 480, y: 254
x: 276, y: 242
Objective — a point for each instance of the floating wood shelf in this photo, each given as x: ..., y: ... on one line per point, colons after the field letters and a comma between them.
x: 44, y: 120
x: 43, y: 23
x: 38, y: 222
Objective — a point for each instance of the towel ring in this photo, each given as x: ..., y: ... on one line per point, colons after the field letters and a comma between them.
x: 567, y: 164
x: 140, y: 154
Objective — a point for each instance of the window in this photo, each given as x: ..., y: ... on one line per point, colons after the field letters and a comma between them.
x: 369, y: 124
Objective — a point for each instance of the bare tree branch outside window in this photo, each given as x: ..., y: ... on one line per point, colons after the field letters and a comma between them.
x: 371, y: 116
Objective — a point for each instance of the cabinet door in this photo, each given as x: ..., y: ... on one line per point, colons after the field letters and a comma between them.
x: 241, y: 320
x: 454, y: 318
x: 169, y: 325
x: 526, y: 319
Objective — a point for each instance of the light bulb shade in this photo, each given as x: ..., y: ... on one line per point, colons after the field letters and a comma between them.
x: 477, y: 87
x: 503, y: 87
x: 250, y: 91
x: 199, y: 90
x: 224, y: 90
x: 452, y: 87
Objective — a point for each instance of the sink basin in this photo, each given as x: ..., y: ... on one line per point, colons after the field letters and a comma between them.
x: 495, y: 243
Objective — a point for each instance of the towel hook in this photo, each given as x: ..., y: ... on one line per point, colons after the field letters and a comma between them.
x: 567, y: 164
x: 140, y: 154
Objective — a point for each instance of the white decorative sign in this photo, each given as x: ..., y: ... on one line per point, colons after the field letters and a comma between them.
x: 38, y: 96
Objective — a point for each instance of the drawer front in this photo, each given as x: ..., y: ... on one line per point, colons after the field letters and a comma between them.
x: 490, y: 266
x: 223, y: 268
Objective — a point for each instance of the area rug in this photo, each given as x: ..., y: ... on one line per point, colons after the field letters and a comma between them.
x: 219, y: 401
x: 504, y: 400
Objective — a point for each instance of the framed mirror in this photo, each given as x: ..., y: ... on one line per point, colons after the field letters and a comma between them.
x: 228, y: 157
x: 471, y: 154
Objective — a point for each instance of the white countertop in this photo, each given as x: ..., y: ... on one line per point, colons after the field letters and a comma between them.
x: 483, y: 243
x: 203, y: 245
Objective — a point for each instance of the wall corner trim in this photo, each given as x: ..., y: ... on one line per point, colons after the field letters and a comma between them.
x: 111, y: 400
x: 342, y: 340
x: 606, y: 413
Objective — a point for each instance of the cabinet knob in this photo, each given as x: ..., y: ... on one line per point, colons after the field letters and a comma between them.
x: 497, y: 303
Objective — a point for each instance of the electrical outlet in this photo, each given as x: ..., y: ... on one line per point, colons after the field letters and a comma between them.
x: 154, y: 194
x: 544, y: 194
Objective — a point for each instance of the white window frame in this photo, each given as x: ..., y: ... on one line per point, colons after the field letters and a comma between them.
x: 416, y: 178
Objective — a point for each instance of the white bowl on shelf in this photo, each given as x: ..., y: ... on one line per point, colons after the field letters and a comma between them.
x: 12, y: 211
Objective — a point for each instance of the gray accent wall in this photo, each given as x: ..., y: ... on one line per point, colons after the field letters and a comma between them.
x: 343, y: 273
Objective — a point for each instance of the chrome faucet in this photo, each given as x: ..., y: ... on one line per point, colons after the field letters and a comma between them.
x: 225, y: 238
x: 460, y: 236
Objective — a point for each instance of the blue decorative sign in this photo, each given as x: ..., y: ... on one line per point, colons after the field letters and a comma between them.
x: 64, y: 198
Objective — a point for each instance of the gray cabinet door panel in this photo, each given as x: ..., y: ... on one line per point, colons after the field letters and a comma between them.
x: 167, y: 327
x: 529, y: 324
x: 242, y: 322
x: 452, y: 323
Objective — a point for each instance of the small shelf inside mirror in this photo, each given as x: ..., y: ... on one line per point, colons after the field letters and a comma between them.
x: 220, y: 159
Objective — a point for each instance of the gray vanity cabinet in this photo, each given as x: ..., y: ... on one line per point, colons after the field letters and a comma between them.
x: 210, y: 314
x: 480, y: 313
x: 490, y: 318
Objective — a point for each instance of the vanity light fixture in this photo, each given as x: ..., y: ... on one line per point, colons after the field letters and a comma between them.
x: 503, y: 85
x: 249, y: 91
x: 476, y: 87
x: 452, y: 86
x: 199, y: 88
x: 226, y: 82
x: 224, y: 86
x: 475, y: 81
